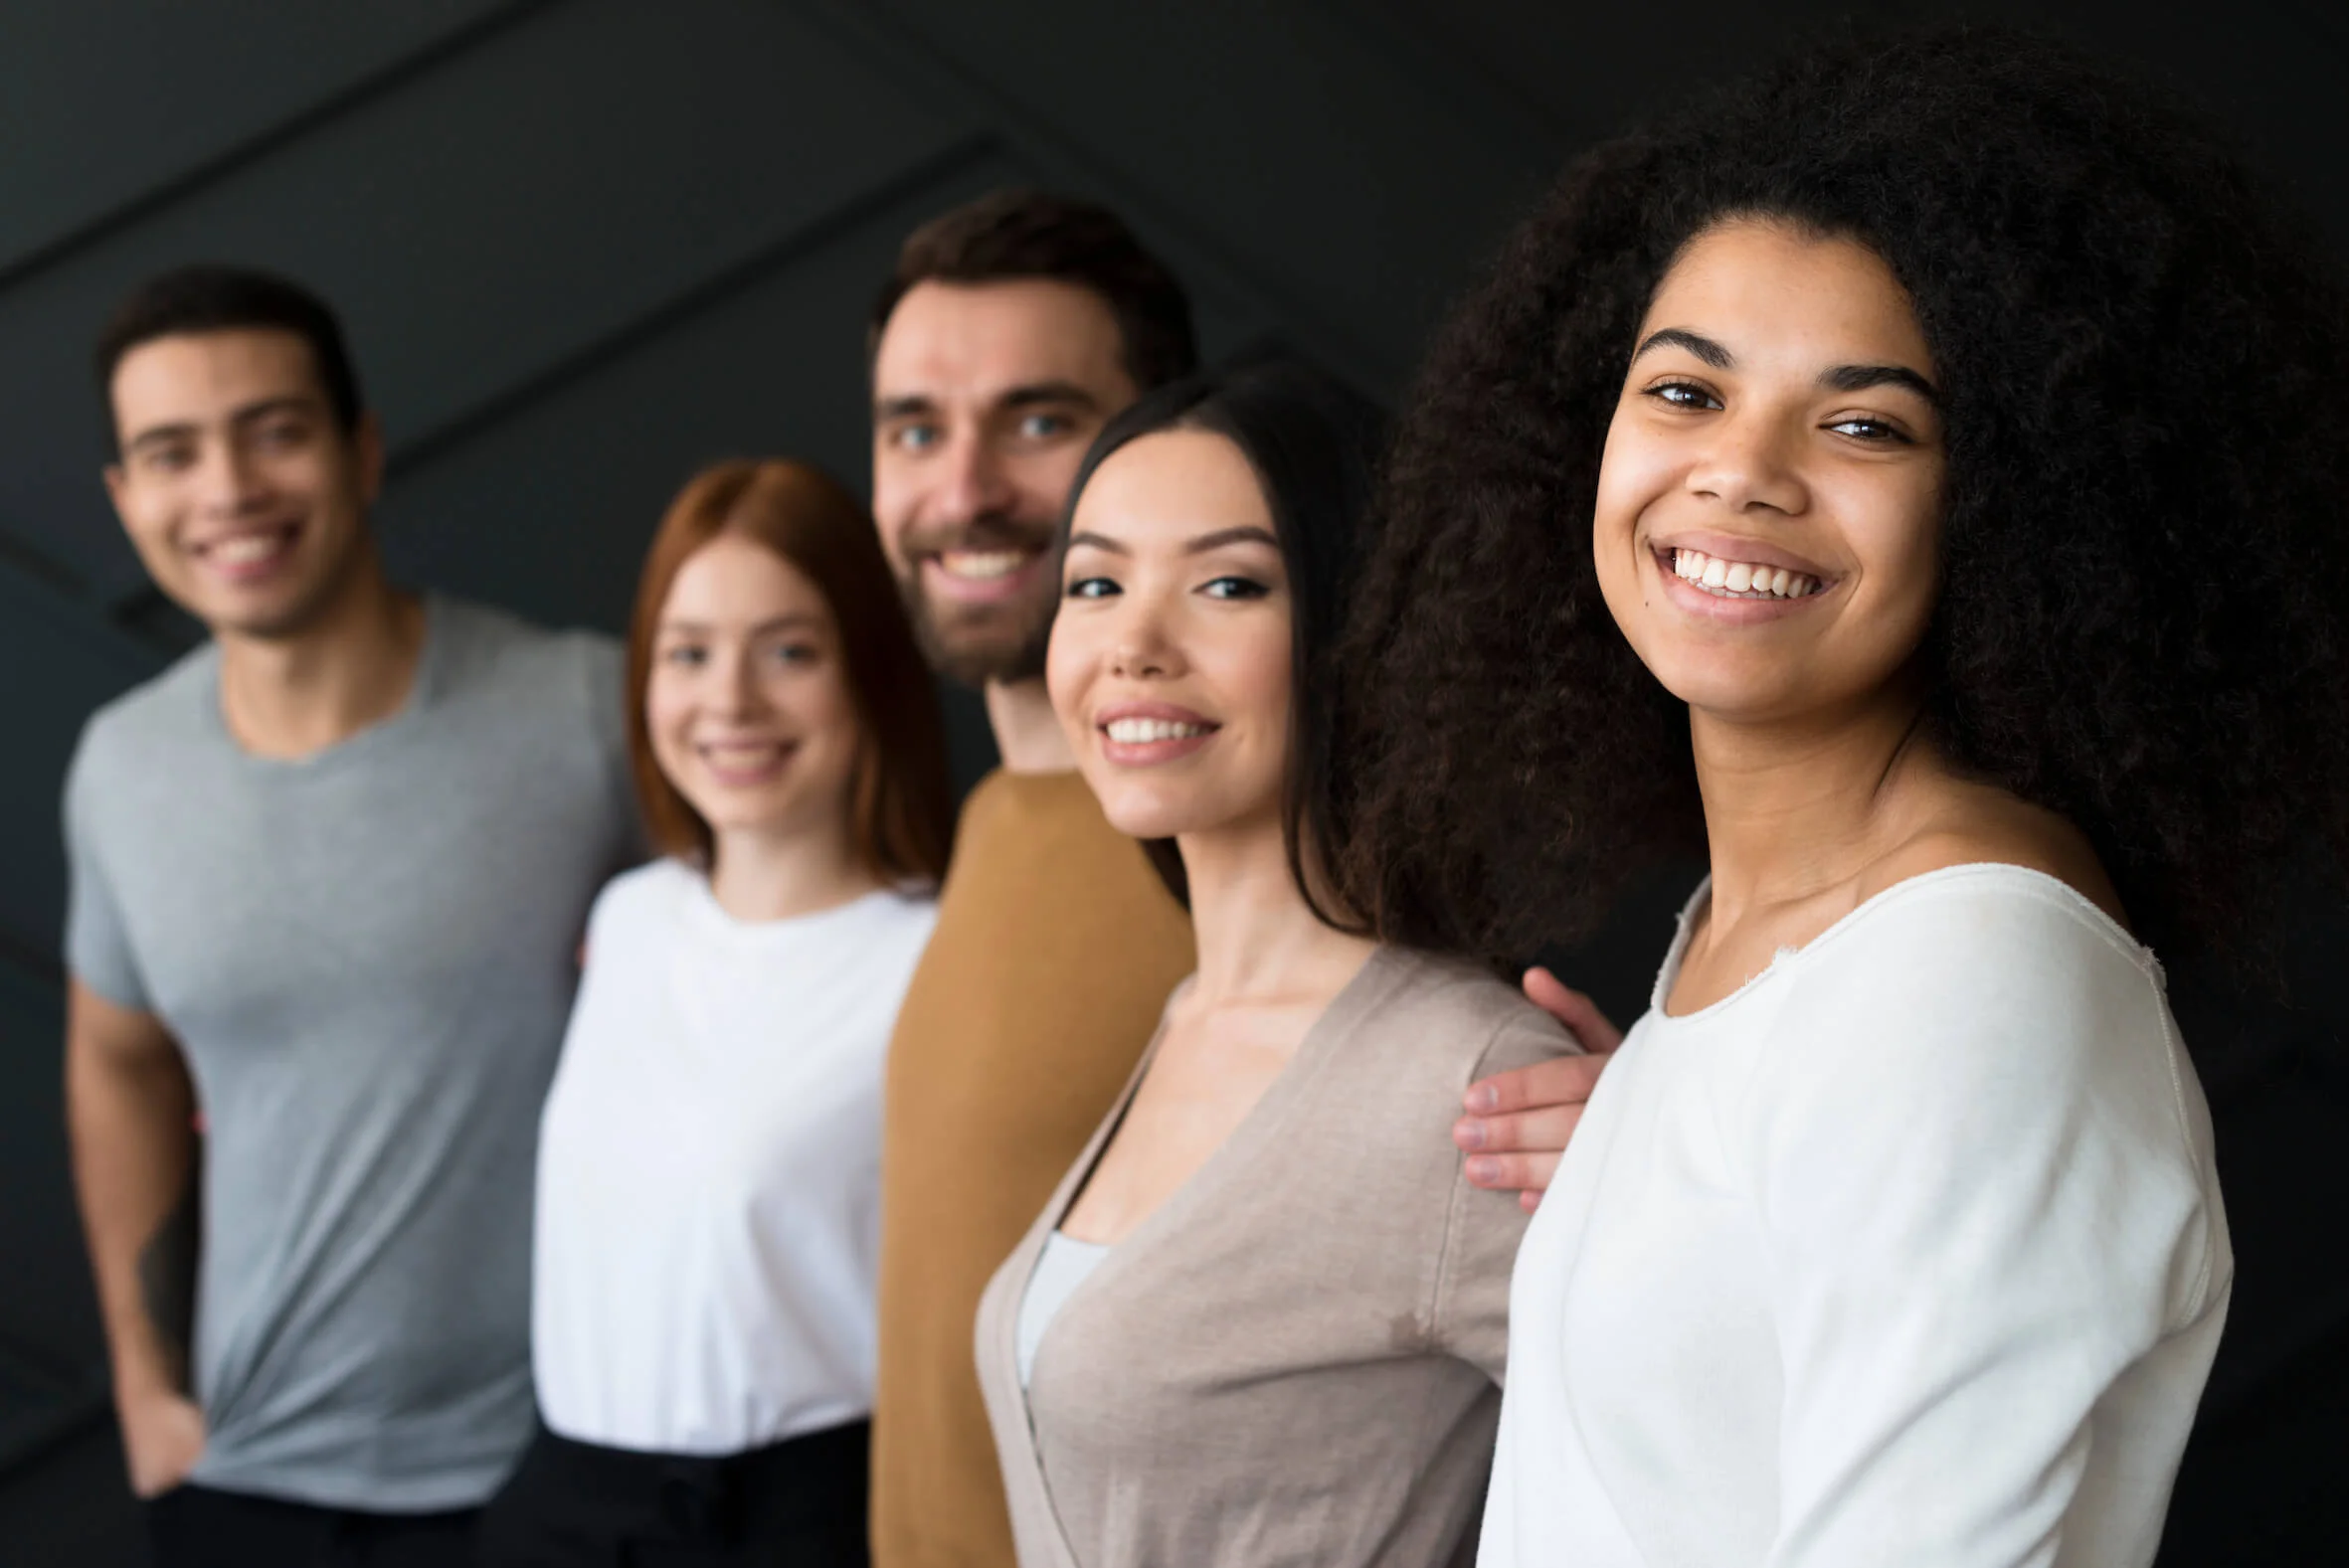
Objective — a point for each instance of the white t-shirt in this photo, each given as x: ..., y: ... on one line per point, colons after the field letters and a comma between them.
x: 1910, y: 1252
x: 709, y: 1170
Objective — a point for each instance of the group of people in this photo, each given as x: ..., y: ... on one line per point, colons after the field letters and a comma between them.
x: 540, y: 1104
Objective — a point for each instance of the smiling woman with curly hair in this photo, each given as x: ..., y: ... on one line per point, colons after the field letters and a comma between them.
x: 1916, y: 480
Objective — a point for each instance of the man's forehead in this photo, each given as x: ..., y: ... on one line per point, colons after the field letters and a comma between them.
x: 975, y: 344
x: 201, y: 367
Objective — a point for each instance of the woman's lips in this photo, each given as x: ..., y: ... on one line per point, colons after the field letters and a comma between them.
x: 739, y: 765
x: 1733, y: 579
x: 1140, y: 734
x: 1728, y: 580
x: 1735, y: 548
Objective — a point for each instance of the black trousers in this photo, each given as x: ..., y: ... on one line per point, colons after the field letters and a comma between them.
x: 799, y: 1503
x: 198, y: 1527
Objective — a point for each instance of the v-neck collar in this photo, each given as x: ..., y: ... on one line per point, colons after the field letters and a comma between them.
x: 1355, y: 1000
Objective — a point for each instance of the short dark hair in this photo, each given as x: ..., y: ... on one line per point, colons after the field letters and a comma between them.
x: 1314, y: 445
x: 2138, y: 625
x: 206, y: 297
x: 1009, y: 235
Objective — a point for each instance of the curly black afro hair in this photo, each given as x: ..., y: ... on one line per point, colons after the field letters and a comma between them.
x: 2139, y: 623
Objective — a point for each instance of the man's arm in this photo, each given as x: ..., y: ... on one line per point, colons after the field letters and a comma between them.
x: 131, y: 1109
x: 1518, y: 1123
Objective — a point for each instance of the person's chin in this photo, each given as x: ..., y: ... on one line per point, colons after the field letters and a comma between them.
x: 1148, y: 824
x: 277, y: 619
x: 1143, y: 811
x: 1001, y: 648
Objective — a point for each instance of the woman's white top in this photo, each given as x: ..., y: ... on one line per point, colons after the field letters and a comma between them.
x: 1061, y: 1267
x: 709, y: 1170
x: 1910, y: 1252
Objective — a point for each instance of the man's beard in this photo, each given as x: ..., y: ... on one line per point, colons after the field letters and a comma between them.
x: 975, y: 645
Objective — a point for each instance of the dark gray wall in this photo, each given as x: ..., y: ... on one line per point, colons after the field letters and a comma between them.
x: 586, y: 245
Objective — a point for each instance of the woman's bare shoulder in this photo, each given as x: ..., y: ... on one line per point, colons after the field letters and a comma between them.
x: 1975, y: 826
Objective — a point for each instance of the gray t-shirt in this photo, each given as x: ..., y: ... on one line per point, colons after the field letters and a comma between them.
x: 366, y: 956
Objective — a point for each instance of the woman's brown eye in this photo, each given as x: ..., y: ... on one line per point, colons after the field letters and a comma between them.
x: 1684, y: 395
x: 1868, y: 431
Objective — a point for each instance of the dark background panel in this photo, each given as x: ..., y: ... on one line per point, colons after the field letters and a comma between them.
x: 542, y: 185
x: 109, y: 102
x: 1342, y: 179
x: 2270, y: 69
x: 63, y: 663
x: 584, y: 247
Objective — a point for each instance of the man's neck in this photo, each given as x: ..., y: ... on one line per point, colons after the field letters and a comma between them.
x: 1028, y: 736
x: 295, y: 696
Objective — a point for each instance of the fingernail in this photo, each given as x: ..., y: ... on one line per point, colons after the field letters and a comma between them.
x: 1482, y: 1170
x: 1469, y: 1134
x: 1484, y: 1098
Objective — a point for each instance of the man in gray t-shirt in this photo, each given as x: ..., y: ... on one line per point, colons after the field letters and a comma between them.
x: 329, y: 877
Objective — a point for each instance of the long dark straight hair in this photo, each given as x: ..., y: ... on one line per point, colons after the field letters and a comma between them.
x: 1314, y: 445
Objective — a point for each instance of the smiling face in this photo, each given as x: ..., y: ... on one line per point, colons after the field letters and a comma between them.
x: 244, y: 499
x: 984, y: 399
x: 748, y: 707
x: 1170, y: 658
x: 1767, y: 523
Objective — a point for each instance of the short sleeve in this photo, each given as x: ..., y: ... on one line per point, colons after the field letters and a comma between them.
x: 97, y: 946
x: 1483, y: 1229
x: 1978, y: 1179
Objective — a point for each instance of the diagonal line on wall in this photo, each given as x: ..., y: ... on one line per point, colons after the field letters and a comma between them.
x: 964, y: 153
x: 1498, y: 109
x: 893, y: 45
x: 27, y: 558
x: 369, y: 88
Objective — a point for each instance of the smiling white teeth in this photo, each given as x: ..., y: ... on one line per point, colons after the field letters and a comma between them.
x: 742, y: 753
x: 1724, y: 579
x: 247, y: 549
x: 1141, y: 732
x: 982, y: 565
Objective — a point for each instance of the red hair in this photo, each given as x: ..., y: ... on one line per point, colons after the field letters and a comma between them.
x: 901, y: 812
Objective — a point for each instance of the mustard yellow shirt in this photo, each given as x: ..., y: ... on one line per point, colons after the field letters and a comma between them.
x: 1054, y: 950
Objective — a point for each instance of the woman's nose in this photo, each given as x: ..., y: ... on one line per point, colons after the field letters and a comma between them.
x: 1139, y: 646
x: 737, y: 683
x: 1749, y: 465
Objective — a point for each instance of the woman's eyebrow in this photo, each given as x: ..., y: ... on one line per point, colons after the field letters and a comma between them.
x: 1244, y: 535
x: 685, y: 627
x: 1098, y: 542
x: 1697, y: 343
x: 1859, y: 378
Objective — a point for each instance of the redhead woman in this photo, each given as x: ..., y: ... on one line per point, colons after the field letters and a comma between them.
x: 1921, y: 469
x: 708, y: 1174
x: 1262, y: 1321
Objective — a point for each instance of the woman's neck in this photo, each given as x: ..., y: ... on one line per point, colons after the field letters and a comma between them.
x: 1795, y: 808
x: 1257, y: 937
x: 760, y: 875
